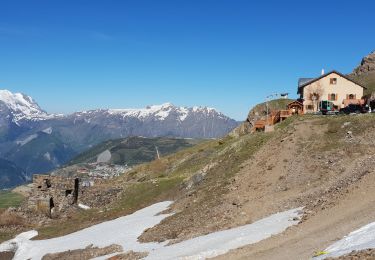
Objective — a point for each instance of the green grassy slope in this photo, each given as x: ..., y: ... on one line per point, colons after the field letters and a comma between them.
x: 10, y: 199
x: 134, y: 150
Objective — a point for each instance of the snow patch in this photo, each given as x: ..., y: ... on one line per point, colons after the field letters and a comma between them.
x: 125, y: 231
x: 359, y: 239
x: 27, y: 139
x: 47, y: 156
x: 82, y: 206
x: 48, y: 130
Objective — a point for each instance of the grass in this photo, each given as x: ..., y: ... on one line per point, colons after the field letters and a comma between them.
x: 134, y: 150
x: 10, y: 199
x: 276, y: 104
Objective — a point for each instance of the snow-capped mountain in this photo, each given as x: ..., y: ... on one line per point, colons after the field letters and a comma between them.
x: 154, y: 113
x: 38, y: 142
x: 19, y: 107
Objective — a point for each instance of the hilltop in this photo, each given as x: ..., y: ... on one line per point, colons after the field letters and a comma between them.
x: 132, y: 150
x: 365, y: 73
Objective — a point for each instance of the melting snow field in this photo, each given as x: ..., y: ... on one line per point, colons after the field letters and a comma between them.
x: 124, y: 231
x: 359, y: 239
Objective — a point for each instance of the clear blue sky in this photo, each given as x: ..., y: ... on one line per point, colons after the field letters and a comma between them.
x: 227, y: 54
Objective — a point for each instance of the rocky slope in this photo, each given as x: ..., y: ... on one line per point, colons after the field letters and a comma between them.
x: 366, y: 66
x: 38, y: 142
x: 365, y: 74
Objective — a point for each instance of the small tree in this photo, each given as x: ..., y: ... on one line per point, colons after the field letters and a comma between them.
x: 315, y: 94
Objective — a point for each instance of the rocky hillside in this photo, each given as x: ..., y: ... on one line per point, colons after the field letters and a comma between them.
x: 39, y: 142
x: 365, y: 73
x: 324, y: 164
x: 366, y: 66
x: 259, y: 112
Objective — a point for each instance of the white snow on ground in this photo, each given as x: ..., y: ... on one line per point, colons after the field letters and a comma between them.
x: 47, y: 156
x: 124, y: 231
x: 27, y: 139
x: 82, y: 206
x: 359, y: 239
x: 220, y: 242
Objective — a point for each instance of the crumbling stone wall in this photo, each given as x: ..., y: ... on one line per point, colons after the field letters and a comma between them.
x: 52, y: 195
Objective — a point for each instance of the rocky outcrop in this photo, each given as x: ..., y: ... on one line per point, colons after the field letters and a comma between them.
x: 84, y: 254
x: 367, y: 65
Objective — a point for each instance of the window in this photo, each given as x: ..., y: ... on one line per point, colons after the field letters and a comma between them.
x: 309, y: 107
x: 332, y: 97
x: 351, y: 96
x: 333, y: 81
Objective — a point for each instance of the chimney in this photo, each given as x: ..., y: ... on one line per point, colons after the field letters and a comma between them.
x: 322, y: 72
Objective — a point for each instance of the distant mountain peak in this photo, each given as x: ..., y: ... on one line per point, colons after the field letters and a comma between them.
x: 161, y: 112
x: 21, y: 106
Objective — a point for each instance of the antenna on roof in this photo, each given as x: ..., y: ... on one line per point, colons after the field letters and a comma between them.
x: 322, y: 72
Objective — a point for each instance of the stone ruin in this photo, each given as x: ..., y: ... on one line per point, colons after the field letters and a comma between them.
x: 53, y: 194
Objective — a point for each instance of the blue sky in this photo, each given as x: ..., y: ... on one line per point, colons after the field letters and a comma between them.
x: 227, y: 54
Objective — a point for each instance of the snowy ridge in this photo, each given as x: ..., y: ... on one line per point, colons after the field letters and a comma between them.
x: 22, y: 107
x: 159, y: 112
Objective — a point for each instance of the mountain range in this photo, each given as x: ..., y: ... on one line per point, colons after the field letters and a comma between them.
x: 36, y: 141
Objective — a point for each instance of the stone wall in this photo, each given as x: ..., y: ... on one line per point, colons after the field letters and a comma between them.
x: 53, y: 195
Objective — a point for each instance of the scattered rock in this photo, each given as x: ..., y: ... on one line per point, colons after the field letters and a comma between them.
x: 84, y: 254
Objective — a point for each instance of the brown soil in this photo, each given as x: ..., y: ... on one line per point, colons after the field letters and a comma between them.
x: 6, y: 255
x: 131, y: 255
x: 367, y: 254
x: 315, y: 163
